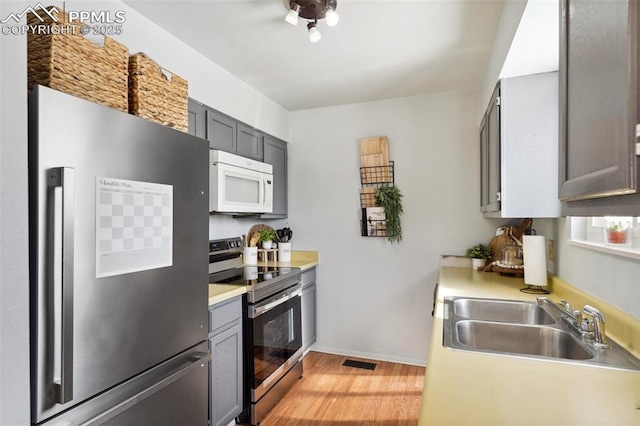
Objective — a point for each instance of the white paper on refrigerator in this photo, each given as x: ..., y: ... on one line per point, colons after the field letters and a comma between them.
x: 134, y: 226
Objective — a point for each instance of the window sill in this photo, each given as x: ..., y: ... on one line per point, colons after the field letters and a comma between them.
x: 624, y: 252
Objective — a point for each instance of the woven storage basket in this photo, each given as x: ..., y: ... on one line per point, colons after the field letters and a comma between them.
x: 154, y: 96
x: 72, y: 64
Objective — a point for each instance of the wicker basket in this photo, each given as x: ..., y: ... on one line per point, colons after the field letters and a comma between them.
x: 154, y: 96
x: 72, y: 64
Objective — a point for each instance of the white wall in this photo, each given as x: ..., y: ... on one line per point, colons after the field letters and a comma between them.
x: 375, y: 298
x: 14, y: 272
x: 614, y: 279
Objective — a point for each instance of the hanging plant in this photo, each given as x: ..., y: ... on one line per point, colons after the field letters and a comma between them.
x: 389, y: 197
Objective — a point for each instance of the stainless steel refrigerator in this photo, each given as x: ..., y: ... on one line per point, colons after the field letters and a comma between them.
x: 118, y: 214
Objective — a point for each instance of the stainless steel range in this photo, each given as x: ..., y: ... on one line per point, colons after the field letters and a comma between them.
x: 272, y: 325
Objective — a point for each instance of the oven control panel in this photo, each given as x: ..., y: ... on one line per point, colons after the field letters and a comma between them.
x: 226, y: 244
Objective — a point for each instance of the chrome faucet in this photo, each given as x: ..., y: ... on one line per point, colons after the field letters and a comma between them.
x: 598, y: 326
x: 572, y: 317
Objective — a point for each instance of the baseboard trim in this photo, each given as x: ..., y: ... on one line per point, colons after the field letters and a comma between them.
x: 368, y: 355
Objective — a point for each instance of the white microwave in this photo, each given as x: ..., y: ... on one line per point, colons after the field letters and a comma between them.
x: 239, y: 184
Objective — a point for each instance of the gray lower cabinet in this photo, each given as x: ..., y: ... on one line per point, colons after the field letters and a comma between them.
x: 275, y: 153
x: 599, y: 109
x: 226, y: 377
x: 309, y: 312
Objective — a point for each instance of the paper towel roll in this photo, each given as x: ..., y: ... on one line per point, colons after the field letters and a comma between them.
x: 535, y: 260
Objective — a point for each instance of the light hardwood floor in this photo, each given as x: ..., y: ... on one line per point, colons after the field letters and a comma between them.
x: 332, y: 395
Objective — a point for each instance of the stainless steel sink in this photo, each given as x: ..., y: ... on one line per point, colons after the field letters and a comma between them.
x: 510, y: 311
x: 520, y: 339
x: 524, y: 329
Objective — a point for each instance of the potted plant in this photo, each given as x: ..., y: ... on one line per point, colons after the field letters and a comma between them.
x: 389, y: 197
x: 267, y: 236
x: 479, y: 255
x: 616, y: 231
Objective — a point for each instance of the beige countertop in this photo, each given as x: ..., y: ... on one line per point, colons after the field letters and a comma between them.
x: 299, y: 259
x: 469, y: 388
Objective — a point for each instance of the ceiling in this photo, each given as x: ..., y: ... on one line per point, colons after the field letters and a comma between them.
x: 380, y: 49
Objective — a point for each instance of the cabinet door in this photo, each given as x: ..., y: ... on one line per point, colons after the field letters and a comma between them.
x: 598, y: 96
x: 275, y: 153
x: 493, y: 153
x: 221, y: 132
x: 197, y: 119
x: 226, y: 376
x: 308, y: 316
x: 484, y: 165
x: 250, y: 143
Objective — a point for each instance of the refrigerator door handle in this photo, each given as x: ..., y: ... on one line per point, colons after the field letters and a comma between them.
x: 197, y: 360
x: 64, y: 178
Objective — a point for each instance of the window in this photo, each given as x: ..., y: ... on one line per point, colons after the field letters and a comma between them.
x: 612, y: 234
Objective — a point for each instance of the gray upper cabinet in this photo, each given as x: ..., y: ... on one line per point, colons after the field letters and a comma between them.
x: 227, y: 134
x: 275, y: 153
x: 599, y: 106
x: 197, y: 119
x: 490, y: 156
x: 221, y: 131
x: 519, y: 149
x: 250, y: 142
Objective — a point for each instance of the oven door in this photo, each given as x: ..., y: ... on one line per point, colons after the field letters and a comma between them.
x: 276, y: 333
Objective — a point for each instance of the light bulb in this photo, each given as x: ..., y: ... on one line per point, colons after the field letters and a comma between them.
x: 331, y: 17
x: 292, y: 16
x: 314, y: 34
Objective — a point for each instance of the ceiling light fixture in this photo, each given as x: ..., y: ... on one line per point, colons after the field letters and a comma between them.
x: 312, y: 11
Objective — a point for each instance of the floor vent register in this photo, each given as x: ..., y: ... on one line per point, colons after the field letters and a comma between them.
x: 359, y: 364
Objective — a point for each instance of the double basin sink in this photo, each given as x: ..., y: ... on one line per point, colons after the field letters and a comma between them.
x: 524, y: 329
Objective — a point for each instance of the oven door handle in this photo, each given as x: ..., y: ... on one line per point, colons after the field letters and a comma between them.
x: 259, y: 310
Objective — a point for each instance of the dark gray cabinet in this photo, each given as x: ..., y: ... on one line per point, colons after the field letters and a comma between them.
x: 275, y: 153
x: 197, y: 119
x: 519, y: 149
x: 250, y: 142
x: 226, y: 374
x: 599, y: 107
x: 222, y: 131
x: 490, y: 156
x: 309, y: 304
x: 227, y: 134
